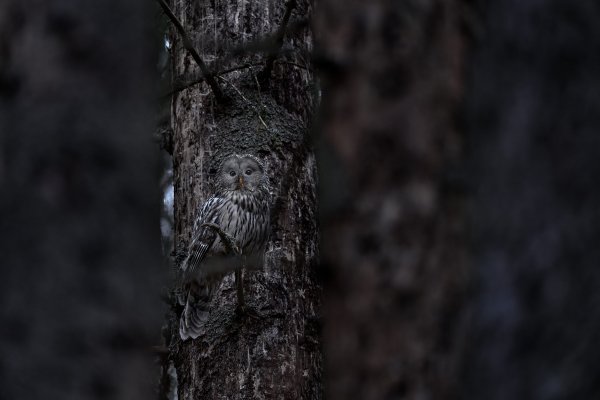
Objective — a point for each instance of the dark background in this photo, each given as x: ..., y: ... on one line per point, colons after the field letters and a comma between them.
x: 532, y: 114
x: 80, y: 200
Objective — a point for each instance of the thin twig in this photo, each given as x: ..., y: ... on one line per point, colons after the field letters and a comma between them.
x: 246, y: 100
x: 187, y: 43
x: 259, y: 97
x: 265, y: 74
x: 293, y: 64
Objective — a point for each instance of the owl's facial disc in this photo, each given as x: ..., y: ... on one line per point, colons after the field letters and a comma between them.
x: 241, y: 174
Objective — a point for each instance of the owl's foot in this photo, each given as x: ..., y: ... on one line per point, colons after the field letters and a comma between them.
x: 226, y: 238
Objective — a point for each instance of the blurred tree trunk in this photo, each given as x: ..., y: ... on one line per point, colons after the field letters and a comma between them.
x: 393, y: 220
x: 275, y: 353
x: 533, y: 118
x: 79, y: 201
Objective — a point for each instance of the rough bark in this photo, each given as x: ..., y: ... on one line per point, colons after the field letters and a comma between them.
x: 533, y: 110
x: 275, y: 353
x: 79, y: 201
x: 393, y: 224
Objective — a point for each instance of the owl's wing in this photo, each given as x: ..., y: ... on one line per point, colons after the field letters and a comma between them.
x: 203, y: 237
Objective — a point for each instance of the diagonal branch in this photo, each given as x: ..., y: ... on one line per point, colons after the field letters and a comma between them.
x: 265, y: 74
x: 179, y: 86
x: 187, y: 43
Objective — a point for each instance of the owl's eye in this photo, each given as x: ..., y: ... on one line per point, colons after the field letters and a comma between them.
x: 231, y: 173
x: 248, y: 172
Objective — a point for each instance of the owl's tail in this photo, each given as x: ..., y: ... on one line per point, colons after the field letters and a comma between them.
x: 195, y: 313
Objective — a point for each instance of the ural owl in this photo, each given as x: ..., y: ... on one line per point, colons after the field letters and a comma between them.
x: 237, y: 214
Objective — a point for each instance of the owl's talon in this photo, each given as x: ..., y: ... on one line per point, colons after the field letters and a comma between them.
x: 227, y: 240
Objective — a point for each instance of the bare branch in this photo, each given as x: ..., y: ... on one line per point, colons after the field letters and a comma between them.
x: 293, y: 64
x: 187, y: 43
x: 180, y: 86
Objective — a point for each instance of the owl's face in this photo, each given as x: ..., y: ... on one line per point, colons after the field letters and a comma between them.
x: 241, y: 173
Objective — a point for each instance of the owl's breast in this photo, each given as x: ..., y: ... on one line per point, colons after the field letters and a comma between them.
x: 246, y: 218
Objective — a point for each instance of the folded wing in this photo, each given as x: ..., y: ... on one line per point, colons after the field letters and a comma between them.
x: 203, y: 237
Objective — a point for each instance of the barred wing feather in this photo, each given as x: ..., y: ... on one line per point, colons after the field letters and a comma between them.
x: 204, y: 237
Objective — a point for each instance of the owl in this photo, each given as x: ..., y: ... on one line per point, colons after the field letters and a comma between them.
x: 236, y: 214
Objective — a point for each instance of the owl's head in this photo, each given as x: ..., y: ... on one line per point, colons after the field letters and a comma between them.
x: 241, y: 173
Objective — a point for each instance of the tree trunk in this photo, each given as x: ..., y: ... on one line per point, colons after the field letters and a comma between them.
x: 393, y: 228
x: 276, y: 352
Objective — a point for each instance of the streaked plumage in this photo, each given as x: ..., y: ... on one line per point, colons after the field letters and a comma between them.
x: 240, y: 207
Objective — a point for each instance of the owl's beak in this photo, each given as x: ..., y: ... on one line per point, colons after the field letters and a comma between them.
x: 241, y: 182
